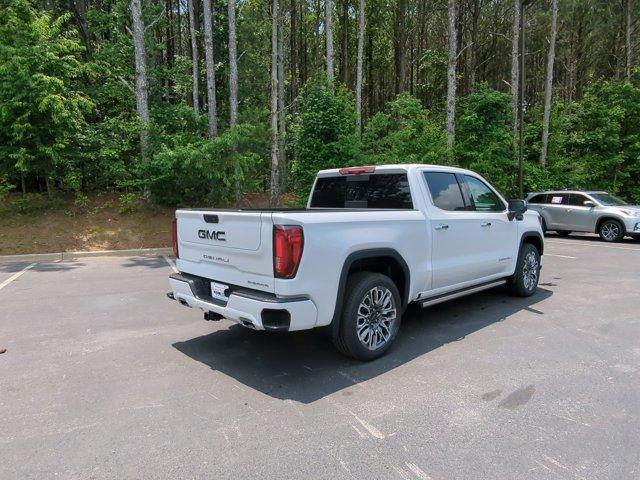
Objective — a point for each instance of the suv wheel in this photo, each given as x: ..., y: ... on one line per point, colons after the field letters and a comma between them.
x: 611, y: 231
x: 370, y: 317
x: 525, y: 280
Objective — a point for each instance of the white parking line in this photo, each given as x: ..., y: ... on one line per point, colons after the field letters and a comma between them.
x: 584, y: 244
x: 171, y: 264
x: 561, y: 256
x: 15, y: 275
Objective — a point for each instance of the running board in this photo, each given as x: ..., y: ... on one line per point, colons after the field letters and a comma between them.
x: 445, y: 297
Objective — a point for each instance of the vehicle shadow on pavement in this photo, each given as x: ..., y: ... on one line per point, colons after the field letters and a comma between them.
x: 41, y: 267
x: 305, y: 367
x: 589, y: 238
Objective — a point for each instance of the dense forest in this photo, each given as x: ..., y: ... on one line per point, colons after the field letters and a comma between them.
x: 200, y: 101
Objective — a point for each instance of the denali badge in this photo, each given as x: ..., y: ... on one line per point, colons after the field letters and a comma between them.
x: 212, y: 235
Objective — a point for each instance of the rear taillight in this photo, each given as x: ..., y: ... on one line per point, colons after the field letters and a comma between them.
x: 174, y: 237
x: 288, y: 242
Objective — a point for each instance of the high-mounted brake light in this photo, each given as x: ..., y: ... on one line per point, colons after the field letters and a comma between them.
x: 288, y: 242
x: 174, y: 237
x: 356, y: 170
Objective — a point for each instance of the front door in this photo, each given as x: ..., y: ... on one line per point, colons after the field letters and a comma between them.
x: 457, y: 256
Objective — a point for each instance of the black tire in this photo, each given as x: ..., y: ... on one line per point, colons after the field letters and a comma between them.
x: 543, y: 225
x: 359, y: 285
x: 611, y: 230
x: 522, y: 283
x: 563, y: 233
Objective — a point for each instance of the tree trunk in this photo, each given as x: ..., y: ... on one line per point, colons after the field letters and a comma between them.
x: 515, y: 69
x: 451, y: 76
x: 281, y: 110
x: 399, y: 38
x: 293, y: 62
x: 211, y: 73
x: 344, y: 43
x: 194, y: 58
x: 233, y: 66
x: 328, y: 26
x: 475, y: 16
x: 142, y: 82
x: 361, y: 30
x: 275, y: 143
x: 79, y: 8
x: 628, y: 40
x: 548, y: 93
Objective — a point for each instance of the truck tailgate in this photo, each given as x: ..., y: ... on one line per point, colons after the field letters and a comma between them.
x: 232, y: 247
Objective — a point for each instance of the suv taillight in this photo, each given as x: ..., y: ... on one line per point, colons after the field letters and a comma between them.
x: 288, y: 242
x: 174, y: 237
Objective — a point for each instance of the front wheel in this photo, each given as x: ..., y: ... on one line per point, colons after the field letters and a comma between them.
x: 370, y: 317
x: 524, y: 282
x: 611, y: 231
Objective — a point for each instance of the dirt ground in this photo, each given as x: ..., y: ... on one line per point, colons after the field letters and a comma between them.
x: 34, y: 223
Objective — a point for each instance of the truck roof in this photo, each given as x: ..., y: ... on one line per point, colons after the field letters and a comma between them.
x: 402, y: 167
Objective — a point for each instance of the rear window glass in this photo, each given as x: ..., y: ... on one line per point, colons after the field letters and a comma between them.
x: 389, y: 190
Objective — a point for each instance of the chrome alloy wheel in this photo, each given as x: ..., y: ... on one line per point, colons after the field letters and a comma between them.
x: 530, y: 271
x: 376, y: 318
x: 610, y: 231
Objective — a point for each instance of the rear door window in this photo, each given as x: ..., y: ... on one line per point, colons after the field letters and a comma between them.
x: 445, y: 191
x: 558, y: 198
x: 382, y: 190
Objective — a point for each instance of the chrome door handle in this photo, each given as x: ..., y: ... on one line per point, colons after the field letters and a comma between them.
x: 485, y: 224
x: 442, y: 226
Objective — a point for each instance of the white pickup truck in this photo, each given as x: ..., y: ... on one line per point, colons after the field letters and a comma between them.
x: 371, y: 241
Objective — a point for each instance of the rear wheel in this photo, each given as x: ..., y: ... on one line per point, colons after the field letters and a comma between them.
x: 524, y: 282
x: 370, y: 317
x: 611, y: 231
x: 563, y: 233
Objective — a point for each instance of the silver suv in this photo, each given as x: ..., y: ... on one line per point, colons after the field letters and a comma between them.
x: 567, y: 211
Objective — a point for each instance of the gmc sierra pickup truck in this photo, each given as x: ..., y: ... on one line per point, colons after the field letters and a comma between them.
x: 371, y: 241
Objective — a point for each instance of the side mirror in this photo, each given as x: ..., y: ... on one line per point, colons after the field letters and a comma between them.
x: 589, y: 203
x: 516, y: 209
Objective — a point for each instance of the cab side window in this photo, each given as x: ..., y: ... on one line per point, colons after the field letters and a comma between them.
x: 445, y: 191
x: 484, y: 199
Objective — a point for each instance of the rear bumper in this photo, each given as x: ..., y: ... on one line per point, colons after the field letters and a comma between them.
x: 248, y: 308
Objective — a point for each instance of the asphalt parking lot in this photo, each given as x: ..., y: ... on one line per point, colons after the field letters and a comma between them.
x: 104, y: 377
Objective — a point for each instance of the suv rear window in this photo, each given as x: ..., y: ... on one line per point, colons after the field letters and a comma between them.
x: 382, y: 190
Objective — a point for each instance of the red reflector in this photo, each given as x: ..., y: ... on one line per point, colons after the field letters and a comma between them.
x: 356, y: 170
x: 174, y: 237
x: 288, y: 242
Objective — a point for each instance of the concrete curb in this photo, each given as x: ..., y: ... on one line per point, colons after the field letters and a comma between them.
x: 54, y: 257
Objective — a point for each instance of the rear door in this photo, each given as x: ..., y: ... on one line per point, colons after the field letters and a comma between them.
x: 232, y: 247
x: 556, y: 210
x: 456, y: 258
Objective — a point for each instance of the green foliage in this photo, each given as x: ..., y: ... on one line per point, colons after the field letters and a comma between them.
x: 406, y: 134
x: 202, y: 172
x: 325, y: 133
x: 41, y: 108
x: 128, y: 203
x: 5, y: 188
x: 484, y: 139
